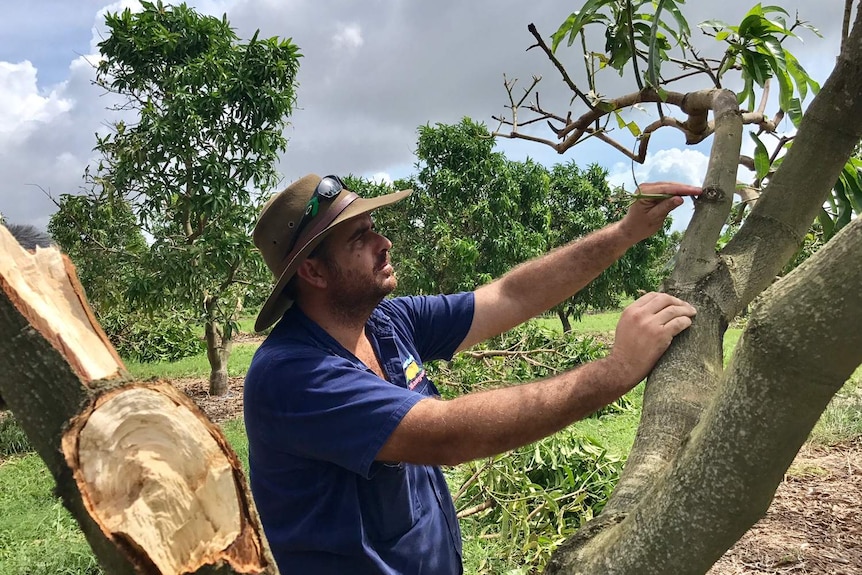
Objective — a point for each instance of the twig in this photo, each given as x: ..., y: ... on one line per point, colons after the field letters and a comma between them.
x: 541, y: 44
x: 473, y: 478
x: 487, y: 504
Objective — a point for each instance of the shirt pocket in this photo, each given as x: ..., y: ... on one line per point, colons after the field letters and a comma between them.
x: 389, y: 500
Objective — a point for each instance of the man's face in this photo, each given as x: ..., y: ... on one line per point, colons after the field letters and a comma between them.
x: 357, y: 267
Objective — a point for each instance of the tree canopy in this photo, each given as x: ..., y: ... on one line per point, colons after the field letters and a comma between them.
x: 199, y: 131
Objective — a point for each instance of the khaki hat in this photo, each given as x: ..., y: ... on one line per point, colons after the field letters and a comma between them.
x: 308, y: 208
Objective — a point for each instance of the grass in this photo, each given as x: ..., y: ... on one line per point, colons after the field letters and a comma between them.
x: 615, y: 432
x: 37, y: 535
x: 842, y: 418
x: 589, y: 324
x: 194, y: 366
x: 13, y: 440
x: 234, y: 431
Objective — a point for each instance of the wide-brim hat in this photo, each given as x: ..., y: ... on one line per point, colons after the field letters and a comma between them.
x: 275, y: 233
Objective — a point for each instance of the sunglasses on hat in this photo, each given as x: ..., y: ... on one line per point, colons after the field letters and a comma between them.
x: 328, y: 188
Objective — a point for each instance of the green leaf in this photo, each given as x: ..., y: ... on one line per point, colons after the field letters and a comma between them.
x: 770, y: 46
x: 761, y: 157
x: 853, y: 184
x: 715, y: 25
x: 794, y: 110
x: 799, y: 75
x: 682, y: 24
x: 654, y: 54
x: 756, y: 65
x: 826, y: 223
x: 785, y: 89
x: 576, y: 21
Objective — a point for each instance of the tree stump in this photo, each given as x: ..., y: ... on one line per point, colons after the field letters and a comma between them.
x: 152, y: 482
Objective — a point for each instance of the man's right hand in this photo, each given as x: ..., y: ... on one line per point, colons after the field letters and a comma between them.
x: 645, y: 331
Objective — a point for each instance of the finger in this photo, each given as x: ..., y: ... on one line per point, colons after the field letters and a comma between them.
x: 662, y: 301
x: 673, y: 188
x: 664, y: 207
x: 670, y: 313
x: 644, y: 300
x: 678, y: 324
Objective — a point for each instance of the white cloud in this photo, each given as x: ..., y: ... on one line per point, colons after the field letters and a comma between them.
x: 348, y: 37
x: 673, y: 164
x: 21, y: 104
x: 381, y: 178
x: 369, y: 77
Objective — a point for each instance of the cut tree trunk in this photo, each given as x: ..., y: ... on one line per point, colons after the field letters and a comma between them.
x: 153, y: 484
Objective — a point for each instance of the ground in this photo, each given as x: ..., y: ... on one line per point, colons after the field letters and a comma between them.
x: 814, y: 525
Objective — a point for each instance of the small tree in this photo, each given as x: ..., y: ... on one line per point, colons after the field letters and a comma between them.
x: 101, y: 236
x: 100, y: 233
x: 209, y: 113
x: 473, y: 213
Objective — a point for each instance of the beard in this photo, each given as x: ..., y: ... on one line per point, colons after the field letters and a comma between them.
x: 357, y: 293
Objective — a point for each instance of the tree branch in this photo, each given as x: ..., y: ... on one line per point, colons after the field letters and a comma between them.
x: 683, y: 527
x: 540, y: 42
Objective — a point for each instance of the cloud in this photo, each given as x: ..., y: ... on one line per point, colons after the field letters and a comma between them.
x: 381, y: 178
x: 22, y: 107
x: 348, y: 37
x: 370, y: 75
x: 673, y: 164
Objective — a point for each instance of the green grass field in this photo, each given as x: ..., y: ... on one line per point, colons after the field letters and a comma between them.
x: 39, y: 537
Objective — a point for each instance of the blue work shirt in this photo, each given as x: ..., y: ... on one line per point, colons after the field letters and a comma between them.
x: 316, y: 417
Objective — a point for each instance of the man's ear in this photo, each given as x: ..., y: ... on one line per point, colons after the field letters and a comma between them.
x: 312, y: 271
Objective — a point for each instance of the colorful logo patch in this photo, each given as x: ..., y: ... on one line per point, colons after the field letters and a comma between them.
x: 414, y: 372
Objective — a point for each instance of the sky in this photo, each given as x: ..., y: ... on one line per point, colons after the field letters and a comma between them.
x: 371, y: 74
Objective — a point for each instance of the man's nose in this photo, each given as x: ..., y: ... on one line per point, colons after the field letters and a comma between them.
x: 387, y: 245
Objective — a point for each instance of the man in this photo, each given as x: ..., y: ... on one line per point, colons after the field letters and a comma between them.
x: 345, y: 430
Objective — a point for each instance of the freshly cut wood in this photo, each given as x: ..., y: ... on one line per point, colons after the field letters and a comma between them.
x: 44, y: 288
x: 152, y: 482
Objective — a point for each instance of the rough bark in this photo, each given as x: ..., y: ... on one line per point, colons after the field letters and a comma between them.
x: 713, y: 444
x: 219, y: 346
x: 564, y: 321
x: 151, y: 481
x: 799, y: 347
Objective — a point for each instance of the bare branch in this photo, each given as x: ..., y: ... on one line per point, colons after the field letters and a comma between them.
x: 845, y: 23
x: 541, y: 44
x: 762, y: 108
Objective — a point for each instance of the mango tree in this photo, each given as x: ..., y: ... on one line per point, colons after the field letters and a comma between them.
x: 714, y: 441
x: 200, y: 128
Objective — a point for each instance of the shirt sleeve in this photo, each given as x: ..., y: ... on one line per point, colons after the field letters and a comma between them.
x: 436, y: 324
x: 334, y: 412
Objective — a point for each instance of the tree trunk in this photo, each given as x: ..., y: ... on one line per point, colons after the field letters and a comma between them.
x: 151, y: 481
x: 564, y: 320
x: 219, y: 345
x: 713, y: 444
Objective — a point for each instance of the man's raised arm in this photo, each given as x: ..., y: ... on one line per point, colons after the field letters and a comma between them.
x: 539, y: 284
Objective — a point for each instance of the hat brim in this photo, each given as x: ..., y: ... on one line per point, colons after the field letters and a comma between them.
x: 279, y: 301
